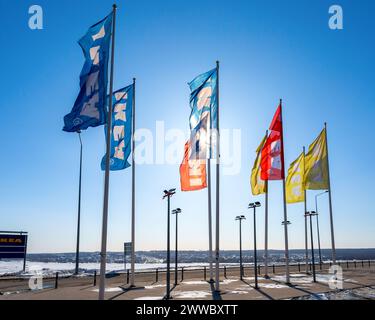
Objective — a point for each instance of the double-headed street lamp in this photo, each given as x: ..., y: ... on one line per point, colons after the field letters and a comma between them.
x: 168, y: 194
x: 311, y: 214
x: 176, y: 212
x: 317, y: 222
x: 240, y: 218
x: 254, y: 206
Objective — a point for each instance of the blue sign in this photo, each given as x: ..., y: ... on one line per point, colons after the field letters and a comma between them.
x: 13, y: 246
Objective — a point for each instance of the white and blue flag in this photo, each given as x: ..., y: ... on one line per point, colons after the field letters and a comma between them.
x: 203, y: 118
x: 199, y: 139
x: 90, y: 109
x: 121, y: 131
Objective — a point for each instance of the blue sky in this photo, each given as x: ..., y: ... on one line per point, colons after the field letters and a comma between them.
x: 267, y: 49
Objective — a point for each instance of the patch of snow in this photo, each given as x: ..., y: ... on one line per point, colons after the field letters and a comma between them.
x: 272, y: 286
x: 228, y: 281
x: 191, y: 294
x: 117, y: 289
x: 244, y: 288
x: 155, y: 286
x: 253, y: 278
x: 238, y: 292
x: 149, y: 298
x: 194, y: 282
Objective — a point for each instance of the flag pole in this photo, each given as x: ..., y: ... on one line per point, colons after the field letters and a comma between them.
x: 285, y: 206
x: 210, y: 205
x: 133, y: 190
x: 103, y: 253
x: 266, y: 229
x: 79, y: 203
x: 304, y: 214
x: 330, y: 201
x: 217, y: 250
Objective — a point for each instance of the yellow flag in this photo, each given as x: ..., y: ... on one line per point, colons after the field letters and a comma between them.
x: 295, y: 185
x: 316, y: 164
x: 258, y: 186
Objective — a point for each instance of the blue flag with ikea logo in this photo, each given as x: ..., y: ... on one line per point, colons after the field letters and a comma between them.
x: 203, y: 102
x: 90, y: 110
x: 121, y: 131
x: 203, y: 98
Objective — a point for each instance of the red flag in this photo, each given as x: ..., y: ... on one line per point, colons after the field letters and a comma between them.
x: 277, y: 124
x: 272, y: 164
x: 192, y: 172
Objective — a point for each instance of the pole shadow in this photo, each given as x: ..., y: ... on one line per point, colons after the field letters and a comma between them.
x: 216, y: 295
x: 259, y: 290
x: 290, y: 285
x: 125, y: 290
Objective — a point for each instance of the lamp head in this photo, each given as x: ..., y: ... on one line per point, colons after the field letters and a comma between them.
x: 241, y: 217
x: 169, y: 193
x: 254, y: 205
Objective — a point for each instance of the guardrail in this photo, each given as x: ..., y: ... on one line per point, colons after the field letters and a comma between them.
x: 195, y: 272
x: 248, y: 269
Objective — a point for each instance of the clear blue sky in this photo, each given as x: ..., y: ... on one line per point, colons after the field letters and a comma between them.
x: 267, y: 49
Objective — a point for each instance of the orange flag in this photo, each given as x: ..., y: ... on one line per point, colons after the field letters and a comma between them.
x: 192, y: 172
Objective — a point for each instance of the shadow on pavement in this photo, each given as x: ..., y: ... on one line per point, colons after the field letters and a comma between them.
x: 125, y: 290
x: 216, y: 295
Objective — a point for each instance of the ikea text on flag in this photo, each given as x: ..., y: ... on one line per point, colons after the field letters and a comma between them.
x: 295, y: 185
x: 316, y: 164
x: 192, y: 172
x: 121, y: 131
x: 258, y: 186
x: 89, y: 109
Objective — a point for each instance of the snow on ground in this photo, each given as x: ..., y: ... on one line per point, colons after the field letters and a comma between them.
x: 195, y: 282
x: 228, y: 281
x: 272, y: 286
x: 116, y: 289
x: 301, y: 278
x: 155, y: 286
x: 149, y: 298
x: 192, y: 294
x: 14, y: 267
x: 238, y: 292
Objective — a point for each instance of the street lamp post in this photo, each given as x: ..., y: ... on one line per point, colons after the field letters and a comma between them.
x: 168, y: 194
x: 254, y: 206
x: 176, y: 212
x: 317, y: 223
x: 311, y: 214
x: 240, y: 218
